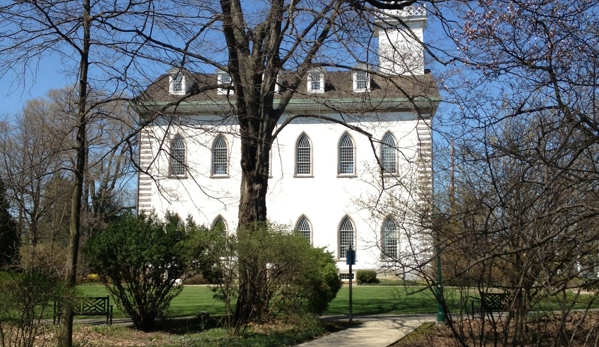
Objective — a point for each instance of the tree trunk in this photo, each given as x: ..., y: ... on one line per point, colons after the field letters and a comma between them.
x: 255, y: 149
x: 65, y: 338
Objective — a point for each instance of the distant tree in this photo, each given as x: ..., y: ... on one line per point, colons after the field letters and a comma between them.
x: 9, y: 238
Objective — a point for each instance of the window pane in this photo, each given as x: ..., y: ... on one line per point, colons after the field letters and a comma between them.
x: 225, y: 79
x: 303, y: 228
x: 315, y: 81
x: 303, y: 156
x: 389, y: 239
x: 346, y: 237
x: 388, y: 160
x: 177, y: 157
x: 177, y: 82
x: 361, y: 80
x: 346, y: 155
x: 219, y: 156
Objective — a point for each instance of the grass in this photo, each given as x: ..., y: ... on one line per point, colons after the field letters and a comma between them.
x: 191, y: 301
x: 382, y: 299
x: 366, y: 300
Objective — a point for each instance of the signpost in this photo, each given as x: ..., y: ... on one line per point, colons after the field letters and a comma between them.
x: 350, y: 259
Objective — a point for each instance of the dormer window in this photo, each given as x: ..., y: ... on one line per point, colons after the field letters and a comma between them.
x: 177, y: 82
x: 224, y: 78
x: 361, y: 79
x: 316, y: 81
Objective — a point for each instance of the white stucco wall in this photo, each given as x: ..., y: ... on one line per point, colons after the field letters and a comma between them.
x: 325, y: 198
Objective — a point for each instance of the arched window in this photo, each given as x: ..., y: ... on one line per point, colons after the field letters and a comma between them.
x: 388, y: 154
x: 303, y: 156
x: 389, y: 239
x: 220, y: 157
x: 177, y: 156
x: 346, y: 236
x: 303, y: 228
x: 346, y: 155
x: 220, y: 225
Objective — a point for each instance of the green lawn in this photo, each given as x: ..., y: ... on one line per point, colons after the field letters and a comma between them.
x: 366, y: 300
x: 191, y: 301
x: 382, y: 299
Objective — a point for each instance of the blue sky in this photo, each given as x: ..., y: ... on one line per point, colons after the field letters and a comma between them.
x: 36, y: 83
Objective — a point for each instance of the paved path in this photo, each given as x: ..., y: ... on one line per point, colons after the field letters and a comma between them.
x: 375, y: 331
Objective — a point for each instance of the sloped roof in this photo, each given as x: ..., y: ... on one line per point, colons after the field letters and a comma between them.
x: 387, y: 90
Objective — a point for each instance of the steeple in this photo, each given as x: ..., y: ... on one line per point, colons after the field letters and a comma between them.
x: 401, y: 33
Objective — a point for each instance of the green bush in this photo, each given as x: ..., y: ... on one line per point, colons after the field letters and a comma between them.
x: 290, y: 276
x: 139, y: 258
x: 27, y: 298
x: 366, y: 277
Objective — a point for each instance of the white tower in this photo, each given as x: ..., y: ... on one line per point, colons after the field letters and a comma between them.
x: 401, y: 33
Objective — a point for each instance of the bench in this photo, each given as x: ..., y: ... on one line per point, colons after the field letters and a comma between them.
x: 489, y: 302
x: 88, y: 306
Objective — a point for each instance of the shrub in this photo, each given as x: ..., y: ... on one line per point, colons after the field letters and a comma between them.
x: 27, y: 297
x: 292, y: 277
x: 366, y: 277
x: 139, y: 259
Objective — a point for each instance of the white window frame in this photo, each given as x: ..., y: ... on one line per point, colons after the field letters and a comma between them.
x: 389, y: 239
x: 343, y: 158
x: 174, y: 87
x: 217, y: 157
x: 177, y: 166
x: 303, y: 227
x: 346, y: 226
x: 316, y: 76
x: 356, y: 81
x: 221, y: 78
x: 301, y: 156
x: 388, y: 154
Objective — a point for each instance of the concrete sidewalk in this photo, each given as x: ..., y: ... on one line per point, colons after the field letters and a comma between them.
x: 375, y: 331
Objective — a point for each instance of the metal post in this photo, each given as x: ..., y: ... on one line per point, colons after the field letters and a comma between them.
x: 351, y: 261
x: 439, y: 287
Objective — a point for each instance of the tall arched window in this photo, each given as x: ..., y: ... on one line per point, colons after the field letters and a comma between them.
x: 388, y: 154
x: 220, y: 157
x: 303, y: 228
x: 346, y: 236
x: 177, y: 156
x: 346, y: 155
x: 303, y: 156
x: 220, y: 225
x: 389, y: 239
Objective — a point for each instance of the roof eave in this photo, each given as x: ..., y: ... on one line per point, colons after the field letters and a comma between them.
x: 294, y: 106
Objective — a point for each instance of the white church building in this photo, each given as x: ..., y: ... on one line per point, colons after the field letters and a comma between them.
x: 361, y: 180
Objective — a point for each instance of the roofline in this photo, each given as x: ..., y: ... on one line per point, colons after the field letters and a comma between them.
x: 294, y: 105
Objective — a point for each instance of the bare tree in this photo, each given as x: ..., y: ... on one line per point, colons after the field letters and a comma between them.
x: 256, y: 45
x: 78, y: 32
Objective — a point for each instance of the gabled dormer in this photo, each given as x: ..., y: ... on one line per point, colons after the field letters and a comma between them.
x: 223, y: 79
x: 316, y: 80
x: 178, y: 81
x: 361, y: 78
